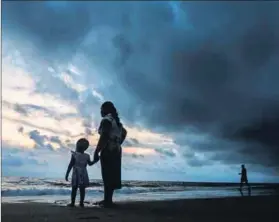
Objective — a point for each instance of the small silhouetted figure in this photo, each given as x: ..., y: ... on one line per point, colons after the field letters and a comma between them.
x: 244, y: 180
x: 78, y: 163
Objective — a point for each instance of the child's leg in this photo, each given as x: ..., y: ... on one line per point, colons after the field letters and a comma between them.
x: 73, y: 195
x: 82, y: 195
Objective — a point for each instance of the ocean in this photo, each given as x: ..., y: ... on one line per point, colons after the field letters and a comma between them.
x: 23, y: 189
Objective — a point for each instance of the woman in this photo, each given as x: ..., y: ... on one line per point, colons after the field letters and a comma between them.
x: 112, y: 134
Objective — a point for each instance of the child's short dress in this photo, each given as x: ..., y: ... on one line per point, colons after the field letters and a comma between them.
x: 80, y: 176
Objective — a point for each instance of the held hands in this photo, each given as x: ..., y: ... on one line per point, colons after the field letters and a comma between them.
x: 96, y: 157
x: 91, y: 163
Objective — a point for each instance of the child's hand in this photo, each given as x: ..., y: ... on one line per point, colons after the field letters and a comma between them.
x: 92, y: 162
x: 95, y: 161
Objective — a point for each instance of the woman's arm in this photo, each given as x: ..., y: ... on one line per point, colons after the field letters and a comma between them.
x: 123, y: 136
x: 70, y: 166
x: 104, y: 137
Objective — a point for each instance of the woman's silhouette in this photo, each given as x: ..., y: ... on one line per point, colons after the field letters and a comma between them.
x: 112, y: 134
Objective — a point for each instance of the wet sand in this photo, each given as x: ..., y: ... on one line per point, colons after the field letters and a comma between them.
x: 238, y: 209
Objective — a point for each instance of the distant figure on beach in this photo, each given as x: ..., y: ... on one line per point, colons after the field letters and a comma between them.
x: 244, y: 179
x: 112, y: 135
x: 78, y: 163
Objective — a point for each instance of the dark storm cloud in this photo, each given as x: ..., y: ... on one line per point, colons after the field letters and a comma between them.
x: 134, y: 155
x: 40, y: 140
x: 28, y: 109
x: 219, y: 78
x: 195, y: 161
x: 199, y: 163
x: 131, y: 142
x: 23, y: 122
x: 54, y: 28
x: 56, y: 139
x: 134, y: 140
x: 165, y: 152
x: 263, y: 133
x: 20, y: 129
x: 208, y: 69
x: 45, y: 142
x: 20, y: 110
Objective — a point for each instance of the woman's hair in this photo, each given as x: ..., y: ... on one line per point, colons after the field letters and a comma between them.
x: 108, y: 107
x: 82, y: 145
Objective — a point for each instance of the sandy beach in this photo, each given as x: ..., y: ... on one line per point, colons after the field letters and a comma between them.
x: 264, y: 208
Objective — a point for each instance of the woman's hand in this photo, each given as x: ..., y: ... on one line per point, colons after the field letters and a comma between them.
x: 66, y: 178
x: 96, y: 157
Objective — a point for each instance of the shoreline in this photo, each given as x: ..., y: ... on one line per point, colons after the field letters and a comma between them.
x: 132, y: 202
x: 264, y: 208
x: 146, y: 197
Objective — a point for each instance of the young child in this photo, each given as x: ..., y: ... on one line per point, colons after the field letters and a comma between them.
x: 80, y: 179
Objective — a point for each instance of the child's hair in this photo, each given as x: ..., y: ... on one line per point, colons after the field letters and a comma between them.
x: 82, y: 145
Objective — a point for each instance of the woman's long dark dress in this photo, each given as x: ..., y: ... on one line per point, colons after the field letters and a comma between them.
x: 111, y: 169
x: 111, y: 155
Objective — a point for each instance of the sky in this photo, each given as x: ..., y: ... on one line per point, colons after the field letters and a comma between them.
x: 195, y: 85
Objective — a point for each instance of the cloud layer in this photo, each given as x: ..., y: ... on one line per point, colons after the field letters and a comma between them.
x: 205, y: 74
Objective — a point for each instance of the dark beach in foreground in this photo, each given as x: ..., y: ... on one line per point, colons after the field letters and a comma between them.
x: 261, y: 208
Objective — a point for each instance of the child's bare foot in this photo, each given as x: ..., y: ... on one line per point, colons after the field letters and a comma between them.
x: 71, y: 205
x: 81, y: 205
